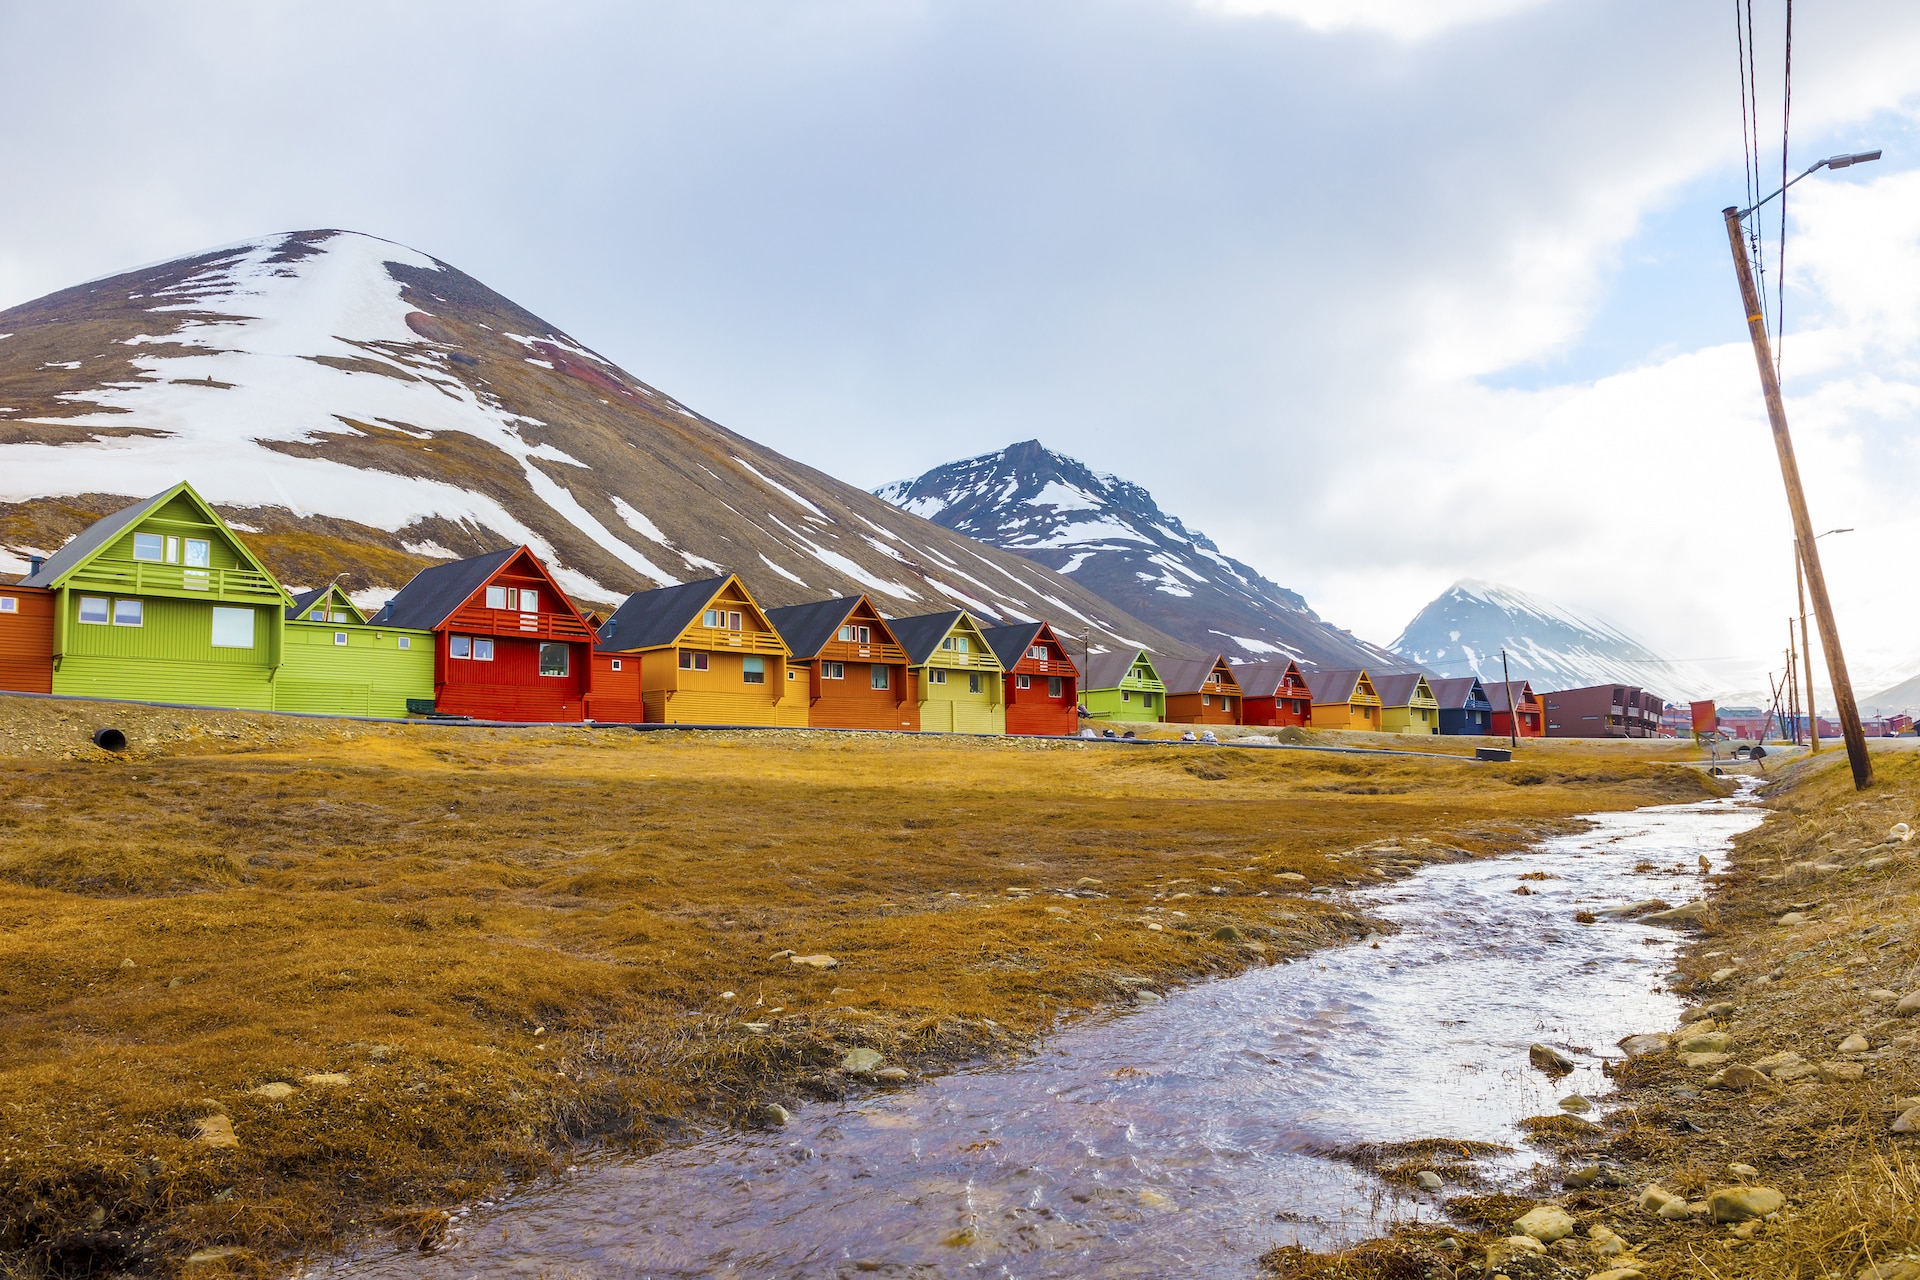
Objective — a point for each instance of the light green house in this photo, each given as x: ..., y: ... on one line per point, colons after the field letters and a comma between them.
x: 333, y: 662
x: 1122, y: 684
x: 957, y: 678
x: 161, y: 602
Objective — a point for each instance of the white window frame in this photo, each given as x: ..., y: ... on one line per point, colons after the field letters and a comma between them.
x: 753, y: 666
x: 616, y: 664
x: 232, y: 615
x: 199, y: 553
x: 9, y: 604
x: 833, y: 671
x: 935, y: 675
x: 497, y: 598
x: 460, y: 647
x: 880, y: 677
x: 340, y: 637
x: 158, y: 548
x: 405, y: 642
x: 566, y: 659
x: 693, y: 660
x: 1024, y: 682
x: 483, y: 648
x: 973, y: 682
x: 138, y: 613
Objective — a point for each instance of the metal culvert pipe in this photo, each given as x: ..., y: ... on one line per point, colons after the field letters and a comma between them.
x: 110, y: 740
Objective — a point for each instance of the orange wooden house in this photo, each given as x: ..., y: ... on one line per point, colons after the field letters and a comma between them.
x: 26, y: 638
x: 1201, y: 691
x: 1525, y: 709
x: 1344, y: 699
x: 1274, y: 694
x: 508, y: 644
x: 1043, y: 685
x: 854, y: 668
x: 699, y: 653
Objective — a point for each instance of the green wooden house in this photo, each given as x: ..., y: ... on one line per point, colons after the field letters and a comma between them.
x: 162, y: 602
x: 958, y: 681
x: 335, y: 663
x: 1123, y: 684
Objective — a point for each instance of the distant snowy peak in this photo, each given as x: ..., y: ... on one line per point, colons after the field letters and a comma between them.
x: 1112, y: 537
x: 1463, y: 630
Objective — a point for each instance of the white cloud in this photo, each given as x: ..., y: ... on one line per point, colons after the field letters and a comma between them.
x: 1404, y: 19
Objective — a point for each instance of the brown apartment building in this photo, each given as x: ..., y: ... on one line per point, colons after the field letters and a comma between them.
x: 1603, y: 711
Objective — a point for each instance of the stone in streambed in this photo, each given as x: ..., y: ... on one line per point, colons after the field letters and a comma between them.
x: 1897, y: 1269
x: 1705, y: 1059
x: 1627, y: 910
x: 1636, y: 1046
x: 1545, y: 1223
x: 1909, y: 1005
x: 773, y: 1115
x: 215, y: 1131
x: 1855, y: 1043
x: 1706, y: 1042
x: 860, y: 1061
x: 1546, y: 1058
x: 1774, y: 1063
x: 1739, y: 1078
x: 1574, y: 1102
x: 1907, y: 1121
x: 1841, y: 1072
x: 815, y: 962
x: 1737, y: 1204
x: 275, y: 1090
x: 1688, y: 913
x: 1428, y: 1180
x: 1606, y: 1242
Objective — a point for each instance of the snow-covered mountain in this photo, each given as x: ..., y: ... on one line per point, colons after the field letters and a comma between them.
x: 1462, y: 631
x: 359, y: 408
x: 1110, y: 536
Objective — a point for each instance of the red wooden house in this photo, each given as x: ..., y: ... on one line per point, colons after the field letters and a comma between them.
x: 26, y: 638
x: 855, y: 669
x: 1525, y: 709
x: 1043, y: 685
x: 1274, y: 694
x: 1200, y: 690
x: 508, y: 644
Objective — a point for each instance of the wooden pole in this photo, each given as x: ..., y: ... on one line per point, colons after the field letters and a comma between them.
x: 1513, y: 717
x: 1806, y: 656
x: 1850, y: 729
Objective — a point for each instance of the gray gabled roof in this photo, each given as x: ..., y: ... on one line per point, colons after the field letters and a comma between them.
x: 920, y: 635
x: 1106, y: 670
x: 1010, y: 643
x: 1186, y: 675
x: 648, y: 619
x: 1396, y: 688
x: 91, y: 539
x: 1263, y: 679
x: 435, y: 594
x: 808, y: 627
x: 1455, y: 692
x: 1334, y: 686
x: 1497, y: 693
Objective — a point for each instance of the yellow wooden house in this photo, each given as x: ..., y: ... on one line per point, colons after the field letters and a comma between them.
x: 1407, y: 703
x: 1344, y: 699
x: 699, y: 653
x: 958, y: 680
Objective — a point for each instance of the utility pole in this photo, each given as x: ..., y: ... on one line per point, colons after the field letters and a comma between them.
x: 1793, y: 685
x: 1850, y: 729
x: 1513, y: 718
x: 1806, y: 655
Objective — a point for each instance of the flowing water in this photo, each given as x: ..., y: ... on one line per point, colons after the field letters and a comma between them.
x: 1174, y: 1139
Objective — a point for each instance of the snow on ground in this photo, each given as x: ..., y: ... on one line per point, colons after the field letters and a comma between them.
x: 790, y: 577
x: 1063, y: 497
x: 769, y: 480
x: 1076, y: 532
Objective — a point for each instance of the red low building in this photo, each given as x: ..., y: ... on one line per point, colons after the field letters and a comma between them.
x: 508, y: 644
x: 26, y: 638
x: 1274, y: 694
x: 1513, y: 701
x: 1043, y: 685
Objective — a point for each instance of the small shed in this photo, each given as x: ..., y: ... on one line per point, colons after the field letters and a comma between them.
x: 699, y: 653
x: 162, y: 602
x: 336, y: 663
x: 854, y: 668
x: 1407, y: 704
x: 1042, y: 684
x: 26, y: 639
x: 1201, y: 690
x: 1524, y: 719
x: 1274, y: 694
x: 508, y: 644
x: 957, y: 677
x: 1344, y: 699
x: 1464, y: 709
x: 1124, y: 685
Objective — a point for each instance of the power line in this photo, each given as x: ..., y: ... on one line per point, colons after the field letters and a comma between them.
x: 1786, y: 120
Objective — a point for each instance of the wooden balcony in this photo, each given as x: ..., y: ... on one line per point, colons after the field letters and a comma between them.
x: 146, y: 577
x: 721, y: 640
x: 973, y: 660
x: 477, y: 620
x: 850, y: 651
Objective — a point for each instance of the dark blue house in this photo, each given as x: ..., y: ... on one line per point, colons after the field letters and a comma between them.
x: 1464, y: 709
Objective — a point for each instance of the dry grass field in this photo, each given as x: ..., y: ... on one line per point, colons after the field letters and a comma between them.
x: 268, y: 982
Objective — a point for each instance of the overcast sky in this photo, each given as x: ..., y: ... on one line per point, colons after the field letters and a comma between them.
x: 1379, y: 293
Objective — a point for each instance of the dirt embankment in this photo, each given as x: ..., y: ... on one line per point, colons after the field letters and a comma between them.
x: 267, y: 983
x: 1764, y: 1136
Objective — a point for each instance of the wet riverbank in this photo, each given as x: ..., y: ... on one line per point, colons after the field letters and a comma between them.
x: 1178, y: 1138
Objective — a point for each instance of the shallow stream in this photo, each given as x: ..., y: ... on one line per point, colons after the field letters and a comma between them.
x: 1173, y: 1139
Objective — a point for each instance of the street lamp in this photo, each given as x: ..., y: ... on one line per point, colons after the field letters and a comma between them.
x: 1806, y: 653
x: 1849, y: 712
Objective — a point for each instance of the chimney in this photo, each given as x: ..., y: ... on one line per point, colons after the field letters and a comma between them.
x: 33, y: 565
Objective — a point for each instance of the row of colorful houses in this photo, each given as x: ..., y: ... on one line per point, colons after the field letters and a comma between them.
x: 164, y: 602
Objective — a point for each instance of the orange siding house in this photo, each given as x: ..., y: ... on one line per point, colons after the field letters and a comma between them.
x: 855, y: 671
x: 706, y: 655
x: 1043, y: 685
x: 1202, y: 691
x: 26, y: 639
x: 1344, y: 700
x: 1274, y: 694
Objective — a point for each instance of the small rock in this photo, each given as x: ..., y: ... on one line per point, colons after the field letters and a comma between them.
x: 1908, y: 1006
x: 1087, y: 882
x: 1581, y: 1179
x: 1739, y: 1078
x: 1775, y: 1062
x: 215, y: 1131
x: 1792, y: 917
x: 1145, y: 996
x: 176, y: 982
x: 1630, y: 909
x: 128, y: 964
x: 1654, y: 1197
x: 1841, y: 1072
x: 1545, y: 1223
x: 1153, y: 1200
x: 1676, y: 1210
x: 1501, y: 1251
x: 326, y: 1079
x: 1721, y: 975
x: 1606, y: 1242
x: 1636, y: 1046
x: 276, y: 1090
x: 1293, y: 877
x: 1855, y: 1043
x: 773, y: 1115
x: 815, y: 962
x: 1543, y: 1057
x: 1737, y: 1204
x: 1428, y: 1180
x: 1907, y: 1121
x: 1705, y: 1059
x: 1226, y: 933
x: 1154, y: 928
x: 860, y: 1061
x: 1893, y: 1269
x: 1619, y: 1273
x: 779, y: 955
x: 201, y: 1257
x: 1574, y: 1102
x: 1688, y: 913
x: 893, y: 1075
x: 758, y: 1028
x: 1744, y: 1172
x: 1706, y: 1042
x: 727, y: 996
x: 1880, y: 995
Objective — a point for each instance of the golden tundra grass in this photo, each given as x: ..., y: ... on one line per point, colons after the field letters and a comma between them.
x: 500, y: 942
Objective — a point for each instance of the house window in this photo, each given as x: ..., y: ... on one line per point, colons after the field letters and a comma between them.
x: 482, y: 649
x: 878, y: 677
x: 1038, y: 651
x: 553, y: 659
x: 1023, y: 682
x: 830, y: 670
x: 339, y: 637
x: 1205, y: 700
x: 459, y: 646
x: 616, y: 664
x: 846, y: 635
x: 130, y: 613
x: 973, y: 682
x: 497, y: 598
x: 1146, y: 700
x: 1056, y: 687
x: 148, y: 546
x: 936, y: 676
x: 733, y: 620
x: 232, y: 628
x: 199, y: 553
x: 1126, y: 696
x: 692, y: 661
x: 856, y: 635
x: 713, y: 618
x: 9, y: 604
x: 753, y: 670
x: 405, y: 642
x: 529, y: 600
x: 864, y: 634
x: 95, y: 610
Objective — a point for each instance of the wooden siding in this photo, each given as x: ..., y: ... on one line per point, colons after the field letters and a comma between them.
x: 1203, y: 708
x: 370, y: 675
x: 170, y: 657
x: 1127, y: 703
x: 853, y: 702
x: 953, y: 707
x: 720, y: 694
x: 26, y: 640
x: 1033, y: 711
x: 510, y: 687
x: 615, y: 694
